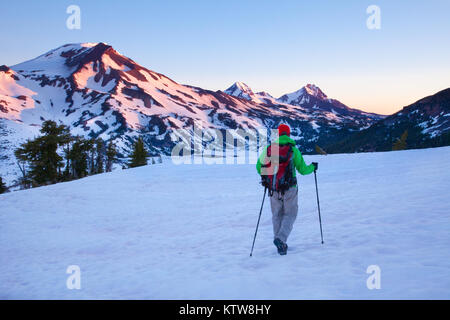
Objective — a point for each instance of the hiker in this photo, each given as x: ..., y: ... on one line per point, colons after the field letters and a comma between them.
x: 277, y: 166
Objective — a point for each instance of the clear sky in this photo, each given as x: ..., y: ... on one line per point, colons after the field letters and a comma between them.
x: 274, y: 46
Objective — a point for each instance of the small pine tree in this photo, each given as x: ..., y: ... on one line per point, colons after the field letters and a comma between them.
x: 24, y: 181
x: 3, y: 187
x: 139, y: 155
x: 401, y: 144
x: 319, y: 150
x: 100, y: 155
x: 111, y: 154
x: 79, y: 157
x: 92, y: 156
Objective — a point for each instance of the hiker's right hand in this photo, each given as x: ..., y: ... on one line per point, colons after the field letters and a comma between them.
x: 316, y: 166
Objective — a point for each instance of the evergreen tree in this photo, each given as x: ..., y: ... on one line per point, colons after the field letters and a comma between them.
x: 92, y: 154
x: 111, y: 154
x: 319, y: 150
x: 400, y: 144
x: 67, y: 174
x: 41, y: 153
x: 139, y: 155
x: 100, y: 155
x: 79, y: 157
x: 3, y: 187
x: 24, y: 181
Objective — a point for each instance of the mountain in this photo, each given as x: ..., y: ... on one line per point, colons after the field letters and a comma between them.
x: 300, y: 96
x: 99, y: 92
x: 426, y: 121
x: 241, y: 90
x: 312, y: 97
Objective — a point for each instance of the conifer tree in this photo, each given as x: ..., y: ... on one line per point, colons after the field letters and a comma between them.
x: 319, y: 150
x: 3, y: 187
x: 139, y: 155
x: 111, y: 154
x: 401, y: 144
x: 79, y: 157
x: 92, y: 153
x: 41, y: 153
x: 100, y: 155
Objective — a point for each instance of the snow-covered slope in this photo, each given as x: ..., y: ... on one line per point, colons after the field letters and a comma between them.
x: 300, y: 96
x: 100, y: 93
x: 425, y: 122
x: 241, y: 90
x: 312, y: 97
x: 185, y: 232
x: 431, y: 114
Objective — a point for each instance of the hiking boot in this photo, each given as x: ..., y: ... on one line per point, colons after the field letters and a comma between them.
x: 281, y: 246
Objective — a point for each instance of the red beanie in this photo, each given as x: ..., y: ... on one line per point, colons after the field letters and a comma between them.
x: 284, y: 129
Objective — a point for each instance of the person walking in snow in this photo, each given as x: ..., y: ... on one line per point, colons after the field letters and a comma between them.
x: 277, y: 166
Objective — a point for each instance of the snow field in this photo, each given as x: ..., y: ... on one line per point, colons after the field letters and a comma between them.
x: 185, y: 232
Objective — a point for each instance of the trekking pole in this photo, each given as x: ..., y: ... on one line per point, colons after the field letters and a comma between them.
x: 318, y: 206
x: 260, y: 211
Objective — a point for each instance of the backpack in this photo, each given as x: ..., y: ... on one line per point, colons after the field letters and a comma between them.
x: 277, y: 172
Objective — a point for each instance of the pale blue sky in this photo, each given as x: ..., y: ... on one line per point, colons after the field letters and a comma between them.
x: 275, y: 46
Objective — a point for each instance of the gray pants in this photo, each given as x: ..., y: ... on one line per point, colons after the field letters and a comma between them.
x: 284, y: 212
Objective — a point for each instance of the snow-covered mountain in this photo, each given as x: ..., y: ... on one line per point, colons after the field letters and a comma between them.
x: 100, y: 93
x: 241, y: 90
x: 309, y: 97
x: 426, y: 121
x: 312, y: 97
x: 302, y: 95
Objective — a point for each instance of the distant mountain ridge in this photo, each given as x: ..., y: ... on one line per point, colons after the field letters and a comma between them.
x: 99, y: 92
x: 426, y: 121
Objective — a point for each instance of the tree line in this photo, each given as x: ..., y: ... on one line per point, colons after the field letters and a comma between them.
x: 58, y: 156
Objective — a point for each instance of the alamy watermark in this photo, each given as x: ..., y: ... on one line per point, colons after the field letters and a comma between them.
x: 73, y: 22
x: 220, y: 146
x: 74, y: 280
x: 373, y: 22
x: 374, y: 280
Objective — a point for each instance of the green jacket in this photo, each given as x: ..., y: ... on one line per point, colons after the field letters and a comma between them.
x: 299, y: 162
